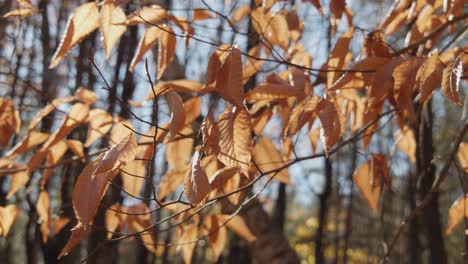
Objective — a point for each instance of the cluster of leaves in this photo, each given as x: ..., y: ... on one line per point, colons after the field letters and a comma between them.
x: 233, y: 154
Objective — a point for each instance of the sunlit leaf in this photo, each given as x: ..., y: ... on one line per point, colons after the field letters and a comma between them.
x: 196, y: 184
x: 268, y: 158
x: 82, y: 22
x: 457, y: 212
x: 451, y: 80
x: 112, y: 25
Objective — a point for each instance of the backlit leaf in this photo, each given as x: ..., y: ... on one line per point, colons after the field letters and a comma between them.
x: 196, y: 184
x: 82, y: 22
x: 273, y: 92
x: 8, y: 216
x: 112, y: 25
x: 166, y: 49
x: 235, y: 139
x: 451, y: 80
x: 462, y: 156
x: 457, y: 212
x: 268, y: 158
x: 229, y: 78
x: 330, y: 132
x: 176, y: 108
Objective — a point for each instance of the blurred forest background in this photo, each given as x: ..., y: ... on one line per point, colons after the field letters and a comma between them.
x: 321, y: 213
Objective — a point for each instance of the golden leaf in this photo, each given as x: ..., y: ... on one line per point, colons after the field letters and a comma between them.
x: 112, y: 25
x: 148, y: 40
x: 8, y: 216
x: 272, y: 27
x: 235, y: 138
x: 179, y: 150
x: 99, y: 123
x: 196, y: 184
x: 147, y: 15
x: 462, y: 156
x: 217, y: 234
x: 176, y: 108
x: 330, y: 132
x: 229, y: 78
x: 43, y: 211
x: 268, y: 158
x: 429, y: 76
x: 82, y: 22
x: 273, y: 92
x: 166, y: 49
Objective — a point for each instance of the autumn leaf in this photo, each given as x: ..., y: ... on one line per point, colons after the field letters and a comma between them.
x: 18, y: 181
x: 43, y: 211
x: 79, y: 232
x: 82, y: 22
x: 166, y: 49
x: 112, y: 25
x: 237, y: 225
x: 406, y: 142
x: 368, y: 178
x: 49, y: 108
x: 273, y: 92
x: 170, y: 182
x: 118, y: 155
x: 429, y: 76
x: 451, y: 77
x: 301, y: 114
x: 226, y: 181
x: 272, y: 27
x: 147, y: 15
x: 330, y: 132
x: 239, y: 14
x: 8, y: 216
x: 457, y: 212
x: 99, y: 123
x: 235, y: 139
x: 179, y: 150
x: 229, y: 78
x: 462, y: 155
x: 202, y: 14
x: 133, y: 177
x: 33, y: 139
x: 176, y: 108
x: 217, y: 234
x: 210, y: 134
x: 338, y: 55
x: 10, y: 122
x: 187, y: 239
x: 196, y: 184
x: 268, y: 158
x: 149, y: 39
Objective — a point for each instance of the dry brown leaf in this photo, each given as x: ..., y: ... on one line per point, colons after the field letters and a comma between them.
x: 202, y: 14
x: 148, y: 40
x: 229, y: 78
x: 99, y: 123
x: 406, y: 142
x: 451, y: 77
x: 210, y: 135
x: 48, y: 109
x: 43, y: 211
x: 260, y: 119
x: 314, y: 136
x: 170, y: 182
x: 147, y: 15
x: 217, y: 234
x: 76, y: 147
x: 272, y: 27
x: 302, y: 113
x: 176, y: 108
x: 114, y: 219
x: 457, y: 212
x: 76, y: 116
x: 8, y: 216
x: 462, y: 156
x: 21, y: 12
x: 112, y: 25
x: 121, y: 130
x: 338, y: 55
x: 237, y: 225
x: 118, y: 155
x: 18, y: 181
x: 268, y: 158
x: 188, y: 240
x: 239, y: 14
x: 166, y: 49
x: 133, y: 177
x: 196, y: 184
x: 404, y: 76
x: 9, y: 121
x: 88, y: 191
x: 86, y: 96
x: 331, y: 130
x: 273, y: 92
x: 235, y: 138
x: 192, y: 109
x: 383, y: 83
x: 179, y: 150
x: 368, y: 184
x: 226, y: 181
x: 79, y: 232
x: 429, y: 76
x: 31, y: 140
x: 82, y: 22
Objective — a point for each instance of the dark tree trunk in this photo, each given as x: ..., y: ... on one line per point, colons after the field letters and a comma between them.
x: 426, y: 172
x: 323, y: 210
x: 279, y: 216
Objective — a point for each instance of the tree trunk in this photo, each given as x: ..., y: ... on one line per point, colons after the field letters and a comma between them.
x: 322, y: 217
x: 426, y: 171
